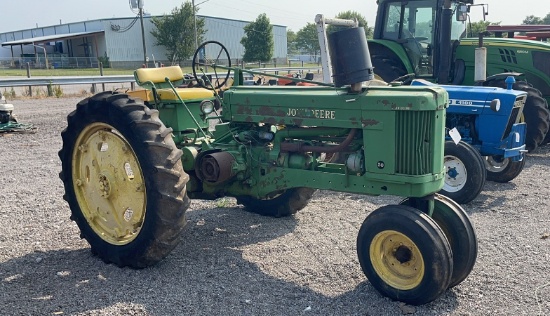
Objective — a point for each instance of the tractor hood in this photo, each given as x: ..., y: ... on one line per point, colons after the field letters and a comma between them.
x: 477, y: 99
x: 512, y: 43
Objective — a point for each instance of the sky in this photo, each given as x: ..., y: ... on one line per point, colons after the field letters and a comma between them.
x: 294, y: 14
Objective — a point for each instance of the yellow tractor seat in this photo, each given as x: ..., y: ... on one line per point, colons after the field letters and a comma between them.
x: 185, y: 93
x: 150, y: 78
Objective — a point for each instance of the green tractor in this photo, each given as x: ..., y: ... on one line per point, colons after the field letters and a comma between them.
x: 132, y: 161
x: 425, y: 39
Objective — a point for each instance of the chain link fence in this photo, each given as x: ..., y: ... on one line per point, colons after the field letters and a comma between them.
x: 42, y: 62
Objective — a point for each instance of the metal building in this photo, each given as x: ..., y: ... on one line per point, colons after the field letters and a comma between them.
x: 84, y: 44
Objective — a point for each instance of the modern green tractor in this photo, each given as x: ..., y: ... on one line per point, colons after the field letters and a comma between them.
x: 426, y: 39
x: 131, y: 161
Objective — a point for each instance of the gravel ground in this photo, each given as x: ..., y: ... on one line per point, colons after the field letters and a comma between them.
x: 231, y: 262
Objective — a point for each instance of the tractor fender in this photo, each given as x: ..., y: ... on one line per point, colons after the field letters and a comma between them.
x: 502, y: 76
x: 390, y: 50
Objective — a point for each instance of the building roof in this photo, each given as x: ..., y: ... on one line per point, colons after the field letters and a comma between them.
x: 50, y: 38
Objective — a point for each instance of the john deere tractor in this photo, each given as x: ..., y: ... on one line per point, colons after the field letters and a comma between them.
x: 426, y: 39
x: 131, y: 161
x: 485, y: 138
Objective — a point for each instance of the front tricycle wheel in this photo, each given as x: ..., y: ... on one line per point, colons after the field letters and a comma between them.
x: 459, y: 230
x: 405, y: 254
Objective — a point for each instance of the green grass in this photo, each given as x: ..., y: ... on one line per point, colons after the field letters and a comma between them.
x: 71, y: 72
x: 93, y: 71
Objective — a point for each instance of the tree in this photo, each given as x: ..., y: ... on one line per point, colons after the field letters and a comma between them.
x: 479, y: 27
x: 531, y: 19
x: 351, y: 15
x: 307, y: 39
x: 291, y: 44
x: 176, y: 32
x: 258, y: 40
x: 546, y: 19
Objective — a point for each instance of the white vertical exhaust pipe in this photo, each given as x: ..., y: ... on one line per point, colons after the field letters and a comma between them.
x: 480, y: 74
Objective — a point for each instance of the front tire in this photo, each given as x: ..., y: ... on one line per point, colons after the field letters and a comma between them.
x: 281, y: 204
x: 501, y: 169
x: 123, y: 180
x: 404, y: 254
x: 458, y: 229
x: 465, y: 173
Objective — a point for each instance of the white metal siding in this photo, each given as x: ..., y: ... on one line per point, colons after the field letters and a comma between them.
x: 127, y: 46
x: 230, y: 33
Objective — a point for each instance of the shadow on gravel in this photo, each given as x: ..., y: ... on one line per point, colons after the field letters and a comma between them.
x: 205, y: 275
x: 541, y: 156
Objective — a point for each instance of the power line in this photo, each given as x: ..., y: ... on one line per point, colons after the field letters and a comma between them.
x: 117, y: 28
x: 239, y: 27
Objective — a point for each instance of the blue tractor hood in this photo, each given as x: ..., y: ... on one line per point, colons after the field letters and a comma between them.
x: 487, y: 118
x: 477, y: 99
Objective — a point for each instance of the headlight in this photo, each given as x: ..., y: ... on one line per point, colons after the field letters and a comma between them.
x: 495, y: 105
x: 207, y: 107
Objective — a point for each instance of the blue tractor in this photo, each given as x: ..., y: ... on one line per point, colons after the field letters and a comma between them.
x: 485, y: 138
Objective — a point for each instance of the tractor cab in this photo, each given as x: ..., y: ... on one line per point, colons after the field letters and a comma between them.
x: 426, y: 39
x: 416, y: 37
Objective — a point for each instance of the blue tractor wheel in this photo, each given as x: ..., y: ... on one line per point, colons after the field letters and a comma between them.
x: 465, y: 173
x: 500, y: 169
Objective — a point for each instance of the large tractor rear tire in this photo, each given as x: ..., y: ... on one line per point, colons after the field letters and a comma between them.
x: 535, y: 113
x: 386, y: 68
x: 281, y: 204
x: 123, y: 180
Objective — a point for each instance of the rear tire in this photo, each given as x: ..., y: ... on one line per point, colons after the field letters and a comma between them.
x: 535, y: 113
x: 387, y: 66
x: 503, y: 169
x: 282, y: 204
x: 123, y: 180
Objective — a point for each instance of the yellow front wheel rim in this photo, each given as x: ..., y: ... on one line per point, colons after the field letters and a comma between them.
x: 397, y: 260
x: 108, y: 183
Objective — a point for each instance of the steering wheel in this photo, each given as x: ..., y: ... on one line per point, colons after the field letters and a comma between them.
x: 214, y: 55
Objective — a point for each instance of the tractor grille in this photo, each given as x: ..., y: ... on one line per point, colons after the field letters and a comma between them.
x: 540, y: 62
x: 514, y: 116
x: 507, y: 56
x: 413, y: 143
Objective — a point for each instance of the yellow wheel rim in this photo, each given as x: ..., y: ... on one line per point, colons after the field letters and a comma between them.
x: 108, y: 183
x: 397, y: 260
x: 377, y: 77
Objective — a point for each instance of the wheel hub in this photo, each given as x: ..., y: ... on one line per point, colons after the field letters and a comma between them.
x: 455, y: 174
x: 452, y: 172
x: 104, y: 186
x: 496, y: 163
x: 403, y: 254
x: 397, y: 260
x: 109, y: 184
